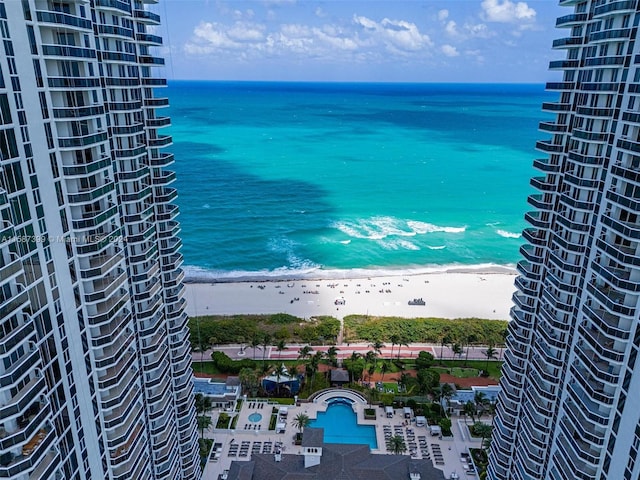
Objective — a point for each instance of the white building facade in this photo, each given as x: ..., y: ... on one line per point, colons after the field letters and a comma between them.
x: 95, y: 377
x: 571, y: 381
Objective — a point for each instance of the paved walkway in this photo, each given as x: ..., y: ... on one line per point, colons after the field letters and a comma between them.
x: 344, y: 351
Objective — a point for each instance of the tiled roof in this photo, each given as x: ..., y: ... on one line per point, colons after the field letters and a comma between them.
x: 339, y: 462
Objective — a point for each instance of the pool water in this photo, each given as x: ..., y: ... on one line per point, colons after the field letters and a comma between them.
x: 341, y: 426
x: 255, y: 417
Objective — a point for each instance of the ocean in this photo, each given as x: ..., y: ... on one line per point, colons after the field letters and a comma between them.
x: 303, y: 180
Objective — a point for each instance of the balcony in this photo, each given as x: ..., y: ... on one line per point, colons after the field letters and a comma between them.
x: 118, y: 392
x: 12, y: 465
x: 548, y: 147
x: 625, y: 6
x: 161, y: 141
x: 595, y: 112
x: 616, y: 34
x: 585, y: 205
x: 571, y: 20
x: 582, y: 183
x: 546, y: 165
x: 567, y: 42
x: 60, y: 19
x: 156, y: 102
x: 628, y: 229
x: 66, y: 52
x: 563, y: 64
x: 144, y: 16
x: 16, y: 337
x: 556, y: 107
x: 89, y: 140
x: 538, y: 219
x: 17, y: 302
x: 591, y: 136
x: 578, y: 157
x: 543, y: 183
x: 115, y: 31
x: 65, y: 83
x: 118, y: 5
x: 149, y: 39
x: 158, y: 122
x: 150, y: 60
x: 113, y: 375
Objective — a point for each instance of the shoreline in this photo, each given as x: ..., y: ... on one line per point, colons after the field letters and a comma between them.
x: 198, y: 275
x: 458, y: 292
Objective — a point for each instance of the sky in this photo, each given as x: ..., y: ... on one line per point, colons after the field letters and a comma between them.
x: 360, y: 40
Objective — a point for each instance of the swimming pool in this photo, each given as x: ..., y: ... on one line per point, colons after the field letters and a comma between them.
x: 341, y: 426
x: 255, y: 417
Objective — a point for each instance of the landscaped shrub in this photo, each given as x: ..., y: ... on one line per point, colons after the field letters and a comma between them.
x: 226, y: 365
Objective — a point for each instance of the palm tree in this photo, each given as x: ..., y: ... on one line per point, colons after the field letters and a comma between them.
x: 305, y: 352
x: 204, y: 422
x: 471, y: 338
x: 371, y: 394
x: 384, y: 368
x: 446, y: 392
x: 266, y: 341
x: 371, y: 358
x: 377, y: 348
x: 456, y: 348
x: 483, y: 430
x: 394, y: 341
x: 470, y: 410
x: 301, y: 421
x: 402, y: 341
x: 332, y: 355
x: 280, y: 347
x: 445, y: 339
x: 396, y: 444
x: 491, y: 354
x: 481, y: 401
x: 254, y: 343
x: 312, y: 367
x: 203, y: 403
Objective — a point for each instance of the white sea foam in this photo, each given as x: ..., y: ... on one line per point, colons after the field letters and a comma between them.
x: 505, y: 234
x: 379, y: 228
x: 202, y: 275
x: 206, y: 205
x: 423, y: 227
x: 398, y: 244
x: 438, y: 247
x: 345, y: 242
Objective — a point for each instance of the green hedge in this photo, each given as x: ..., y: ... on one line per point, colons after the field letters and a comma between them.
x: 224, y: 329
x: 424, y: 330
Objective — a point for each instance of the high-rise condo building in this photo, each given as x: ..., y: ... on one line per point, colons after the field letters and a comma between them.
x: 571, y: 378
x: 95, y: 370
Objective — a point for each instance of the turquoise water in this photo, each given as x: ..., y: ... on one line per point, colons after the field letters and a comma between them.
x: 340, y: 426
x: 255, y: 417
x: 306, y: 179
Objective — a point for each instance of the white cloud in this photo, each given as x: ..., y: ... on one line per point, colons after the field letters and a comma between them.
x: 396, y: 35
x: 450, y: 50
x: 363, y: 40
x: 478, y: 30
x: 451, y: 28
x: 443, y: 15
x: 319, y: 12
x: 506, y: 11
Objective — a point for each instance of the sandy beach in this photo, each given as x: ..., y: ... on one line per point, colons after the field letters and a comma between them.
x: 457, y: 293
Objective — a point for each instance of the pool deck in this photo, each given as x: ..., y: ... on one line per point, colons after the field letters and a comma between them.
x: 255, y: 437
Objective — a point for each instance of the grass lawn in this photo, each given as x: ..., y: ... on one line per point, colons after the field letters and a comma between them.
x: 205, y: 367
x: 494, y: 367
x: 459, y: 372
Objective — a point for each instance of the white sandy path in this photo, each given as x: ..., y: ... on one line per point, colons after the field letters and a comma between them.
x: 447, y: 295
